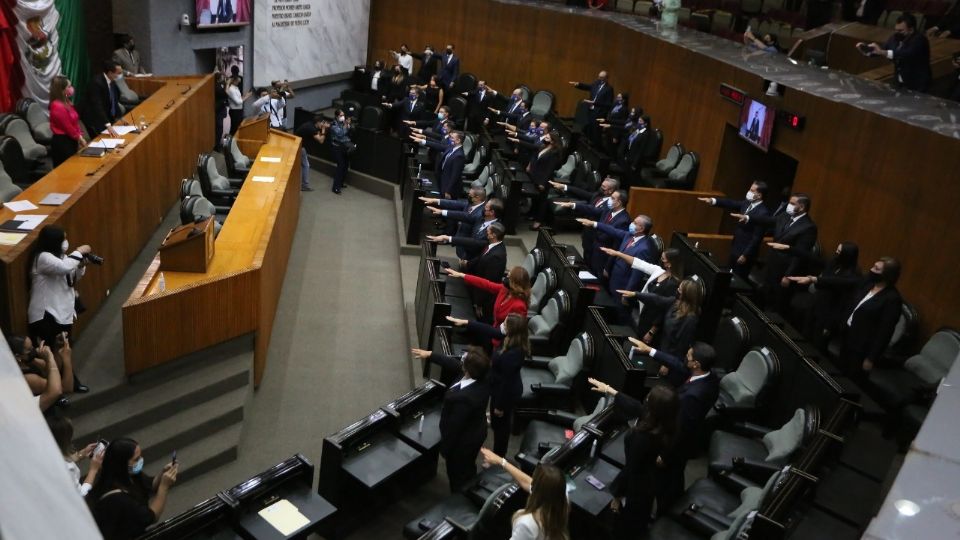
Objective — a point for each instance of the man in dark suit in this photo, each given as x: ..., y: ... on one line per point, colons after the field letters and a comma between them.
x: 490, y: 265
x: 407, y: 109
x: 613, y: 215
x: 597, y: 200
x: 753, y: 132
x: 428, y: 64
x: 478, y: 102
x: 871, y: 318
x: 747, y: 235
x: 635, y: 148
x: 698, y: 389
x: 636, y: 242
x: 463, y: 417
x: 449, y: 68
x: 511, y: 114
x: 795, y: 229
x: 910, y: 52
x: 473, y: 220
x: 601, y: 96
x: 451, y: 168
x: 102, y: 102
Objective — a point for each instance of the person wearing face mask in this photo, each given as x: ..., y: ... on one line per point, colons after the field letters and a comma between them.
x: 512, y: 294
x: 831, y: 292
x: 541, y: 169
x: 404, y: 58
x: 615, y: 128
x: 463, y: 418
x: 342, y: 146
x: 449, y: 68
x: 794, y: 228
x: 479, y: 101
x: 608, y: 207
x: 396, y: 87
x: 64, y: 121
x: 515, y: 110
x: 747, y: 235
x: 663, y: 282
x: 432, y: 94
x: 406, y: 110
x: 54, y: 272
x: 871, y: 317
x: 635, y: 241
x: 124, y: 500
x: 635, y: 149
x: 473, y: 216
x: 128, y: 57
x: 429, y: 61
x: 377, y: 79
x: 528, y: 142
x: 910, y: 52
x: 601, y: 96
x: 101, y: 103
x: 506, y: 386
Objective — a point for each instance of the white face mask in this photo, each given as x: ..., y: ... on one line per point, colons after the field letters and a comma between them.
x: 503, y: 328
x: 342, y: 119
x: 791, y: 209
x: 751, y: 196
x: 65, y: 246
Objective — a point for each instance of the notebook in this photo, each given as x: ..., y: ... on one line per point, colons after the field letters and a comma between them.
x: 55, y: 199
x: 93, y: 151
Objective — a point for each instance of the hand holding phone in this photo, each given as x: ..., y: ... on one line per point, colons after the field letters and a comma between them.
x: 173, y: 458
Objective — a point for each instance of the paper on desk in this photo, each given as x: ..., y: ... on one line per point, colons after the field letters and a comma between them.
x: 120, y: 130
x: 20, y: 206
x: 584, y: 275
x: 263, y: 179
x: 30, y: 221
x: 109, y: 144
x: 284, y: 517
x: 269, y: 159
x: 143, y: 75
x: 11, y: 238
x: 55, y: 199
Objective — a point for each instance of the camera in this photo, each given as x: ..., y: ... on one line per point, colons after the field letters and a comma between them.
x: 93, y: 258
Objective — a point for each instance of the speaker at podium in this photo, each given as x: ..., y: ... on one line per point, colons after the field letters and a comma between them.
x: 188, y: 248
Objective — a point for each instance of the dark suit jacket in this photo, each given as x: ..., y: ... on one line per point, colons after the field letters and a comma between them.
x: 463, y: 418
x: 449, y: 70
x: 506, y: 386
x: 451, y: 169
x: 801, y: 235
x: 602, y: 238
x: 428, y: 66
x: 911, y: 61
x: 622, y: 275
x: 402, y: 108
x: 472, y: 244
x: 490, y: 265
x: 469, y: 220
x: 873, y: 323
x: 96, y: 109
x: 632, y: 155
x: 543, y: 167
x: 478, y: 105
x: 746, y: 236
x: 696, y: 400
x: 602, y: 96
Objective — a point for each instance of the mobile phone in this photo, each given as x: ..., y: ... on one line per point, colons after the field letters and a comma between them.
x: 864, y: 48
x: 173, y: 458
x: 747, y: 30
x: 101, y: 447
x: 592, y: 480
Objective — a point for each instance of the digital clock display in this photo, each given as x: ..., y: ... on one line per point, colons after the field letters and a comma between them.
x: 732, y: 94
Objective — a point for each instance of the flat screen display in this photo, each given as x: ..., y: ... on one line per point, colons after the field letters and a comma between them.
x: 756, y: 123
x: 222, y: 13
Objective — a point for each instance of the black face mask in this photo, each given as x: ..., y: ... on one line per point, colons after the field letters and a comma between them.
x: 131, y: 47
x: 506, y: 282
x: 449, y: 51
x: 899, y: 36
x: 874, y: 277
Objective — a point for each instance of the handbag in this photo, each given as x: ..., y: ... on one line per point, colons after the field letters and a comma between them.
x: 78, y: 306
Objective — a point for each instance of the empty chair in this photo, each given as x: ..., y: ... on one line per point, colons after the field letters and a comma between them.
x: 8, y: 190
x: 745, y: 388
x: 916, y: 381
x: 547, y: 430
x: 472, y: 169
x: 485, y: 180
x: 722, y: 22
x: 372, y: 118
x: 533, y: 262
x: 730, y: 342
x: 542, y: 104
x: 548, y: 382
x: 190, y: 187
x: 683, y: 175
x: 465, y: 83
x: 642, y: 7
x: 543, y: 287
x: 543, y: 324
x: 216, y: 187
x: 128, y: 98
x: 196, y: 208
x: 37, y: 119
x: 20, y: 170
x: 18, y: 128
x: 755, y: 452
x: 238, y: 164
x: 625, y: 5
x: 565, y: 172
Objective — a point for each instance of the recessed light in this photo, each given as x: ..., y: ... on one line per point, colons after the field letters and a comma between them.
x: 906, y: 508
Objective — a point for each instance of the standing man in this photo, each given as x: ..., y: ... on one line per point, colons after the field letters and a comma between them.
x: 795, y: 229
x: 601, y: 96
x: 316, y: 130
x: 910, y: 52
x: 636, y: 242
x: 102, y: 101
x: 128, y: 57
x: 272, y: 102
x: 449, y: 68
x: 635, y: 148
x: 451, y: 167
x: 428, y: 64
x: 747, y: 235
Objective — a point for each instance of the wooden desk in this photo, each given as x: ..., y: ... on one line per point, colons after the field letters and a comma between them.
x: 117, y: 201
x: 674, y: 210
x: 239, y: 292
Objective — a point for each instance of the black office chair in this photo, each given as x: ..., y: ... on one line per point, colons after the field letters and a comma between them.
x: 915, y: 382
x: 464, y: 83
x: 238, y: 164
x: 372, y: 118
x: 730, y: 342
x: 196, y: 208
x: 218, y: 189
x: 663, y: 167
x: 458, y: 108
x: 684, y: 175
x: 20, y: 170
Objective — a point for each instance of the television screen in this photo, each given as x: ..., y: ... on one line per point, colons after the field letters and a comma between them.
x: 221, y: 13
x: 756, y: 123
x: 230, y: 62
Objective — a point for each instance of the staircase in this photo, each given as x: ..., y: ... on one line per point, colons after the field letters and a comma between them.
x: 194, y: 406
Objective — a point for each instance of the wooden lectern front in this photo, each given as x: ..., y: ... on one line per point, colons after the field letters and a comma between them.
x: 188, y: 248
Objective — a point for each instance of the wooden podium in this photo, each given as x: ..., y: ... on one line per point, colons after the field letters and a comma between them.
x: 188, y: 248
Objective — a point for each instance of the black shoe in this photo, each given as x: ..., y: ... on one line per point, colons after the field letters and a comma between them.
x: 79, y: 387
x: 63, y: 402
x: 337, y: 191
x: 306, y: 188
x: 345, y: 186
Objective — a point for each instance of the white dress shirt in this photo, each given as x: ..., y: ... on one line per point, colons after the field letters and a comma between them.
x: 464, y: 382
x: 234, y: 97
x: 651, y: 270
x: 526, y: 527
x: 49, y: 290
x: 870, y: 294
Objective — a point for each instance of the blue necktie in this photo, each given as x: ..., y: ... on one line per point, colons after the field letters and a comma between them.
x: 632, y: 137
x: 113, y: 101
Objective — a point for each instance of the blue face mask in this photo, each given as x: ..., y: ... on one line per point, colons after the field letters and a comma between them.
x: 610, y: 203
x: 137, y: 467
x: 632, y: 228
x: 413, y: 97
x: 441, y: 116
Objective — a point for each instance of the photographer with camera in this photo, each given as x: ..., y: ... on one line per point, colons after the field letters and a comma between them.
x: 342, y: 147
x: 273, y: 101
x: 54, y: 273
x: 315, y: 129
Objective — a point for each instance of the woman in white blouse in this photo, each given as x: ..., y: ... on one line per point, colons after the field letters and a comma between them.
x: 62, y: 430
x: 663, y: 282
x: 547, y: 510
x: 53, y: 275
x: 235, y: 102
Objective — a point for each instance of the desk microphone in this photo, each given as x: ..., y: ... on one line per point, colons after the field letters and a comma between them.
x: 420, y: 429
x: 182, y: 92
x: 169, y: 104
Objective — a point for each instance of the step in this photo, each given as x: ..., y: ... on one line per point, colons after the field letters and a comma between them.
x: 162, y: 401
x: 202, y: 455
x: 182, y: 429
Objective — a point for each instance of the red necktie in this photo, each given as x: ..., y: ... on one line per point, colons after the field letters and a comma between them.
x: 609, y: 218
x: 632, y: 241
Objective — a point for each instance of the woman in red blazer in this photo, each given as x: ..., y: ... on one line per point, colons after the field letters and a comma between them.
x: 513, y: 294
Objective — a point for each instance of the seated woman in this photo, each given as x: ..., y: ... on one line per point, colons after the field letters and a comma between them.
x: 62, y: 430
x: 506, y: 386
x: 512, y: 294
x: 663, y: 281
x: 49, y: 375
x: 124, y: 500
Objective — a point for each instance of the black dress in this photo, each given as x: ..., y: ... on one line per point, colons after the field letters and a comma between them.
x: 431, y: 98
x: 653, y: 312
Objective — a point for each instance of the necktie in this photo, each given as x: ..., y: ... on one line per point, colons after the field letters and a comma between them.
x: 632, y: 242
x: 113, y: 100
x: 412, y: 103
x: 486, y: 250
x: 598, y: 91
x: 609, y: 216
x: 633, y: 137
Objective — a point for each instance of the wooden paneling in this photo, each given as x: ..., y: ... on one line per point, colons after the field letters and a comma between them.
x: 239, y: 292
x: 673, y: 210
x: 885, y: 184
x: 117, y: 201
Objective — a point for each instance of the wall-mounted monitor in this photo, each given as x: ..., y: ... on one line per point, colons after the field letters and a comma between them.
x: 756, y: 123
x: 222, y: 13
